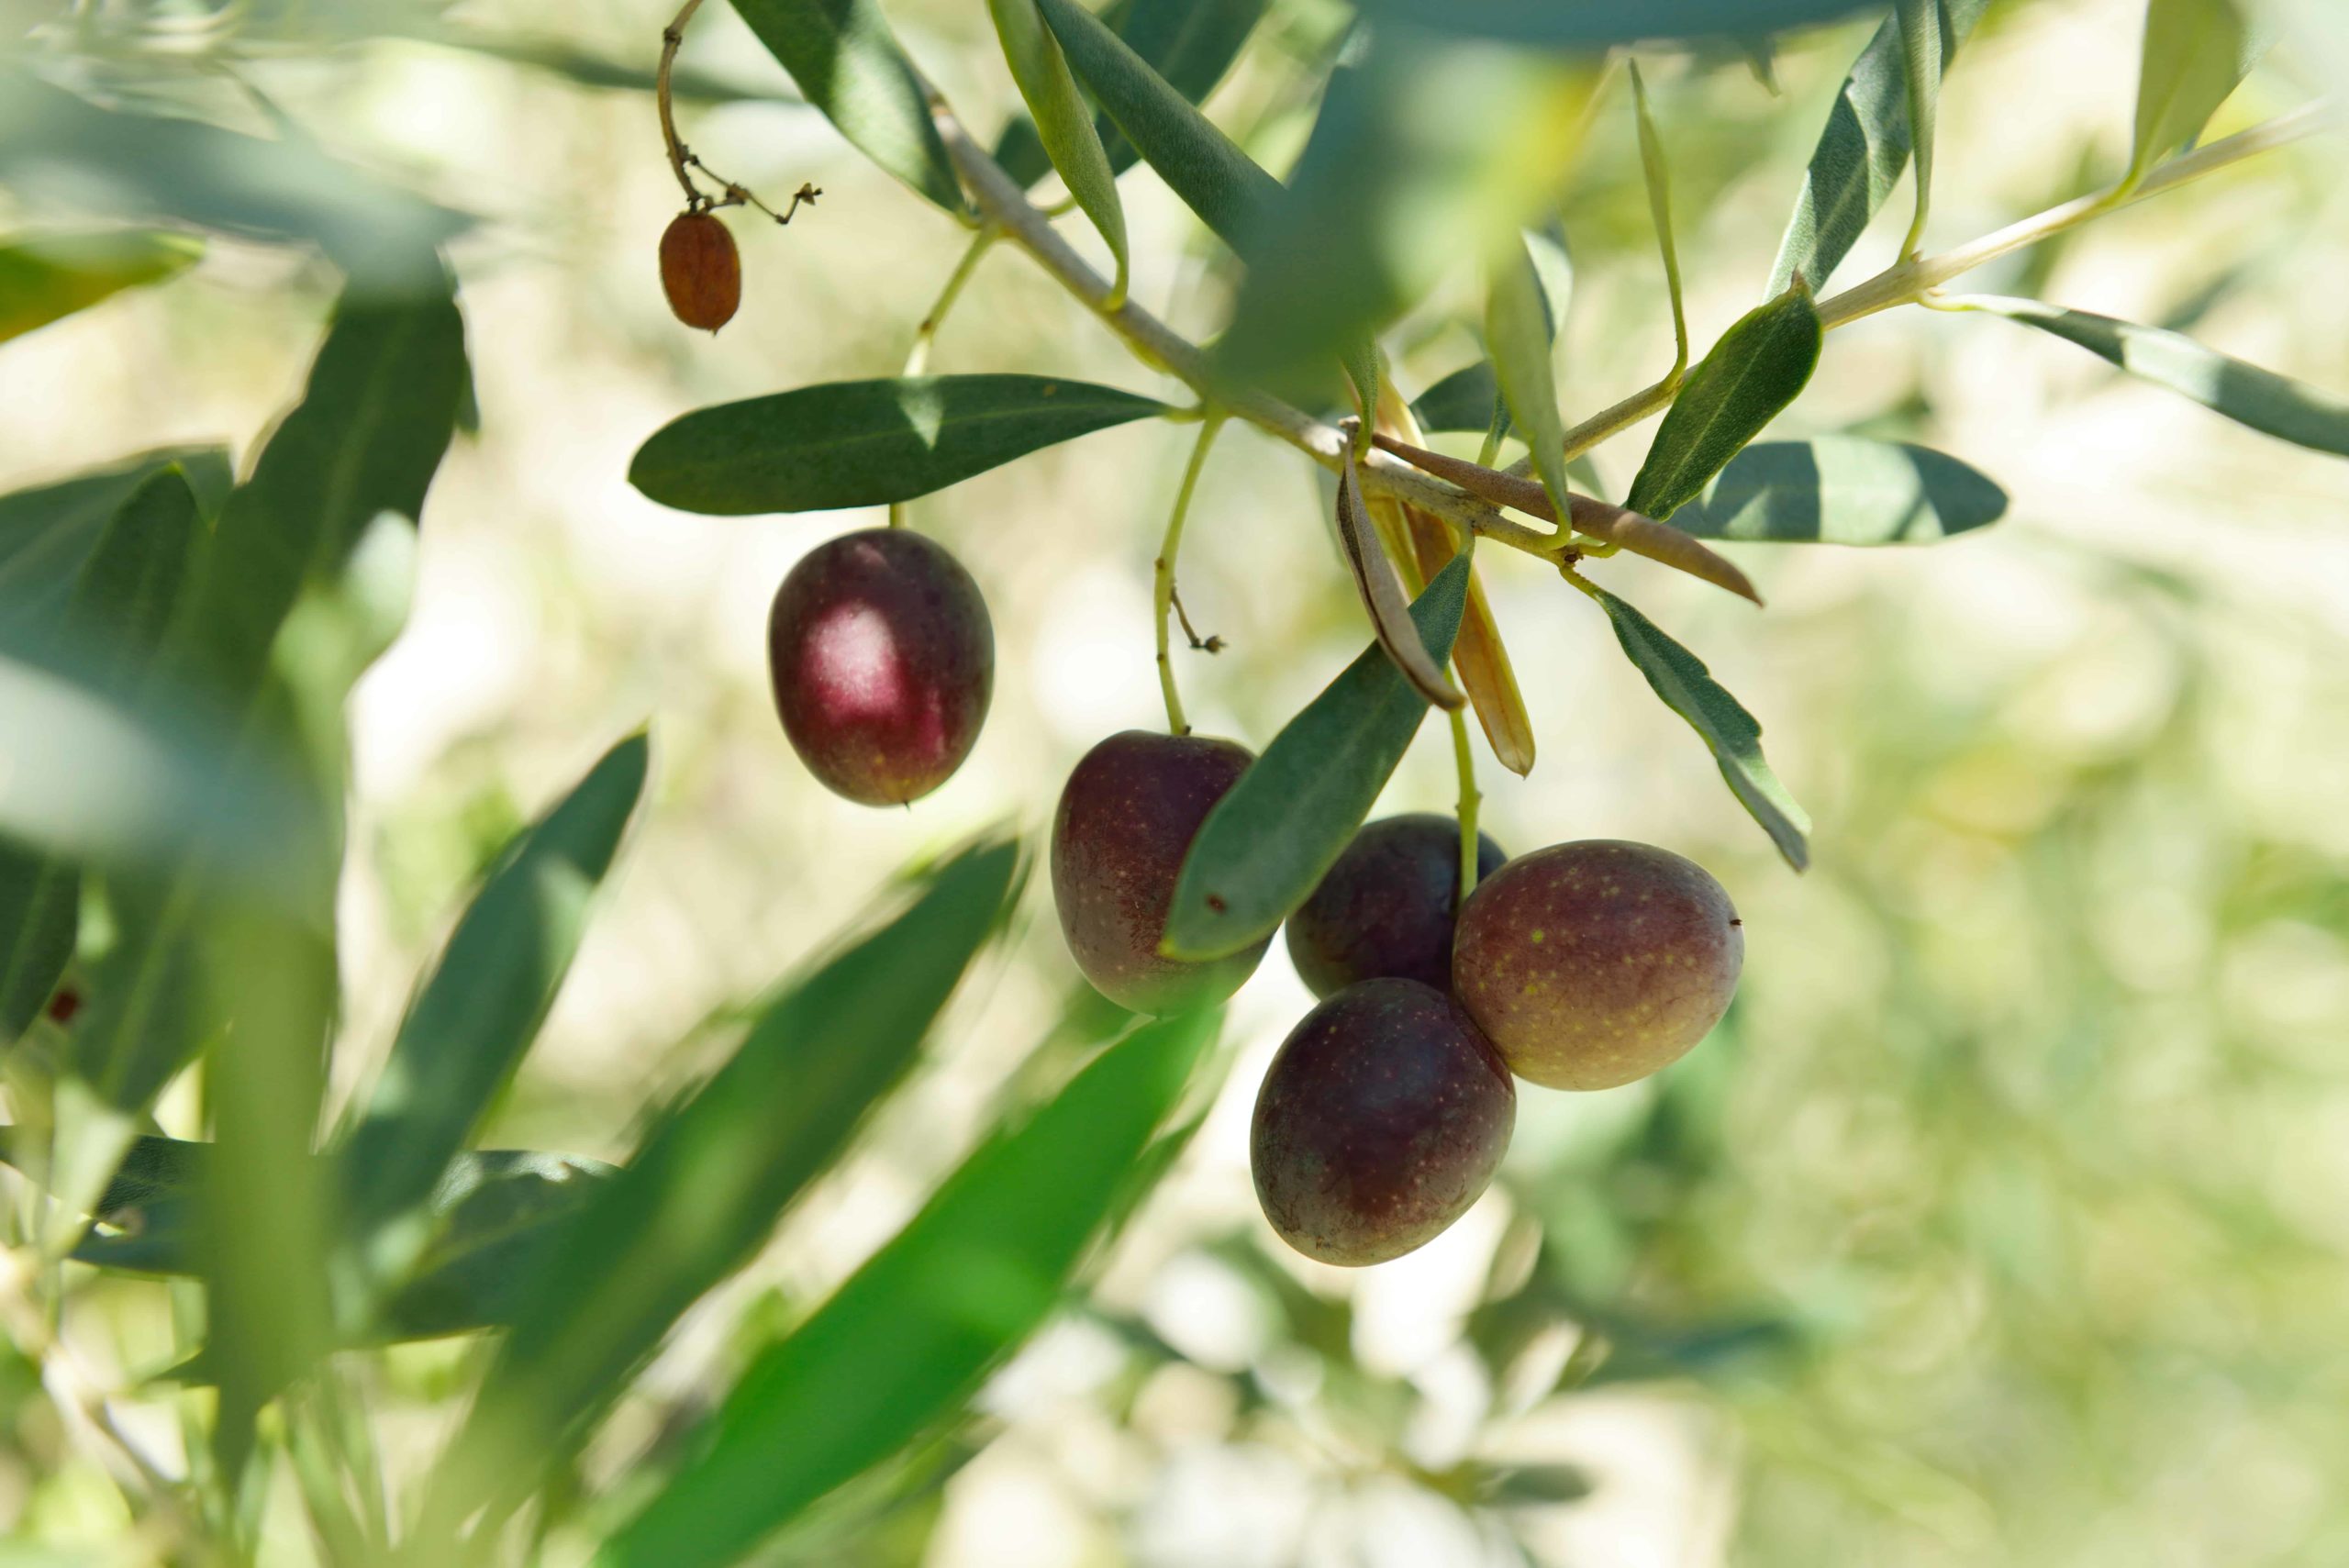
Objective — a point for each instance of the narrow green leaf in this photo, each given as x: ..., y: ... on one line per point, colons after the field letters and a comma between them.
x: 1063, y: 121
x: 1843, y: 490
x: 2195, y: 53
x: 482, y: 1005
x: 1756, y: 368
x: 898, y: 1346
x: 848, y: 63
x: 1199, y: 163
x: 1863, y: 150
x: 1585, y: 24
x: 122, y: 600
x: 1470, y: 398
x: 1468, y: 143
x: 2273, y: 404
x: 44, y: 277
x: 866, y: 443
x: 710, y: 1179
x: 150, y: 167
x: 365, y: 441
x: 1687, y: 689
x: 1920, y: 60
x: 497, y: 1215
x: 47, y: 532
x: 1516, y: 336
x: 1188, y: 43
x: 1460, y: 401
x: 1657, y: 176
x: 1265, y: 846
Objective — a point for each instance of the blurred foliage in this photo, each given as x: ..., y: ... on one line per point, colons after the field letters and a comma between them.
x: 2000, y: 1222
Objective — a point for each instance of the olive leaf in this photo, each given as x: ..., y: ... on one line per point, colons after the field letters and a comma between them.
x: 845, y: 59
x: 1680, y: 678
x: 1918, y: 22
x: 1189, y: 44
x: 1063, y: 122
x: 478, y: 1010
x: 122, y: 600
x: 1469, y: 143
x: 1843, y: 490
x: 2273, y: 404
x: 1518, y: 337
x: 1201, y: 165
x: 1586, y: 24
x: 711, y: 1176
x: 168, y: 168
x: 48, y: 276
x: 1265, y: 846
x: 1863, y: 150
x: 1657, y: 176
x: 1756, y: 368
x: 2195, y: 53
x: 866, y: 443
x: 892, y: 1352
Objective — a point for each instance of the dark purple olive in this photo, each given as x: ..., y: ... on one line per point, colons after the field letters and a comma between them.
x: 1126, y: 819
x: 883, y: 659
x: 1382, y: 1118
x: 1386, y: 907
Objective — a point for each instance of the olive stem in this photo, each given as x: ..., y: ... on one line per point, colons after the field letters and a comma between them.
x: 1463, y: 761
x: 1000, y: 201
x: 1163, y: 572
x: 918, y: 358
x: 682, y: 161
x: 673, y: 38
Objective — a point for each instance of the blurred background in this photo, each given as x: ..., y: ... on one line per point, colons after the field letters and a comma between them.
x: 2003, y: 1220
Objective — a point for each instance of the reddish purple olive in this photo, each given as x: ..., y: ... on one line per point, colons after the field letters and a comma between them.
x: 1596, y: 964
x: 1126, y: 819
x: 1381, y: 1119
x: 1386, y: 907
x: 883, y: 659
x: 700, y: 270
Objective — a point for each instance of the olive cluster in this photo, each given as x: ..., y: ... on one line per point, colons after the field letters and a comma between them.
x: 1388, y: 1109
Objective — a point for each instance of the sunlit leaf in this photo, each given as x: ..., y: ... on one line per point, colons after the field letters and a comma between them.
x: 2273, y: 404
x: 46, y: 276
x: 1843, y: 490
x: 483, y: 1002
x: 2195, y: 53
x: 910, y: 1335
x: 1687, y: 689
x: 1585, y: 24
x: 848, y: 63
x: 1921, y: 68
x: 1189, y: 43
x: 1756, y: 368
x: 1199, y: 163
x: 1063, y: 122
x: 1468, y: 143
x: 866, y: 443
x: 1267, y: 843
x: 55, y: 147
x: 709, y: 1180
x: 1657, y: 176
x: 1516, y: 336
x: 1861, y: 154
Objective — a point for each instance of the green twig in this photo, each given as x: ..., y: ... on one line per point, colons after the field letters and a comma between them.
x: 1163, y: 573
